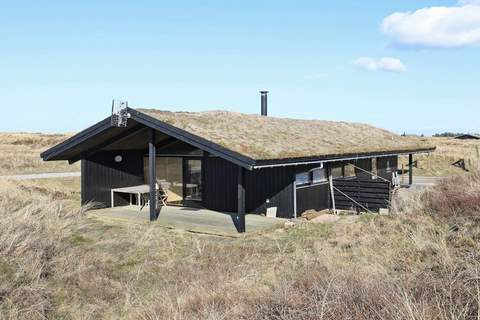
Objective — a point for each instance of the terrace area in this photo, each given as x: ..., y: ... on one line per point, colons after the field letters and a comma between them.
x: 189, y: 219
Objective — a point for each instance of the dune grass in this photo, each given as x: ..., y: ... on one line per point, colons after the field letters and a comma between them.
x: 449, y: 150
x: 422, y: 262
x: 20, y: 153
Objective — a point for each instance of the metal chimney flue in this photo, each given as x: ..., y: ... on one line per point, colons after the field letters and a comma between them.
x: 263, y: 97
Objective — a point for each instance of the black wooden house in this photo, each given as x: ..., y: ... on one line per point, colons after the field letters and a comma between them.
x: 239, y: 163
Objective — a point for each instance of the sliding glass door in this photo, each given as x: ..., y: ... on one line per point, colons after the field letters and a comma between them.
x: 183, y: 176
x: 170, y: 170
x: 193, y: 179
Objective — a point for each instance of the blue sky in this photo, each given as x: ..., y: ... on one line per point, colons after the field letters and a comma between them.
x: 62, y: 62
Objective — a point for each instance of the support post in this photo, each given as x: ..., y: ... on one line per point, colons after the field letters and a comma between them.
x: 403, y: 174
x: 332, y: 193
x: 152, y: 175
x: 240, y: 218
x: 410, y: 169
x: 112, y: 197
x: 204, y: 164
x: 294, y: 197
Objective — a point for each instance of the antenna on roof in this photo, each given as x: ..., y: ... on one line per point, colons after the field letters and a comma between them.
x: 119, y: 113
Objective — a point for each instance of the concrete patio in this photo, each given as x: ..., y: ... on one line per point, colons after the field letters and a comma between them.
x: 189, y: 219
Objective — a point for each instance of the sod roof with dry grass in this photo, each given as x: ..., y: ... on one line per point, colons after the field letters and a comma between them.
x: 268, y: 138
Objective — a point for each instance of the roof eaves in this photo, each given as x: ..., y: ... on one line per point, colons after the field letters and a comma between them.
x: 331, y: 158
x: 76, y: 139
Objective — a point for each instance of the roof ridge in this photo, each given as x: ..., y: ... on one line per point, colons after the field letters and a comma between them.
x: 258, y: 116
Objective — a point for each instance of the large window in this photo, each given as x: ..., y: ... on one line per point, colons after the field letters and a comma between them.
x: 193, y: 179
x: 183, y: 177
x: 170, y: 170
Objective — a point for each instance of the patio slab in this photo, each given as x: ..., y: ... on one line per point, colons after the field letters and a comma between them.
x: 190, y: 219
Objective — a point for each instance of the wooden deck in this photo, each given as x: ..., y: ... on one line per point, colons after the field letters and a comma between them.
x: 189, y: 219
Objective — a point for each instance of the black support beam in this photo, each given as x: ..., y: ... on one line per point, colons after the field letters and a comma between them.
x: 410, y: 169
x: 162, y: 144
x: 152, y: 175
x: 240, y: 217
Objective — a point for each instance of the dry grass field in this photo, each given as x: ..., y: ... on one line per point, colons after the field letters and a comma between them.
x: 448, y: 151
x: 20, y: 153
x: 421, y: 262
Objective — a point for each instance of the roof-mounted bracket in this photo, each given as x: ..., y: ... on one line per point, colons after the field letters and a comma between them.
x: 120, y: 113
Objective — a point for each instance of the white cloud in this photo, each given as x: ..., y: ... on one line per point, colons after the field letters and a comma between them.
x: 383, y: 64
x: 436, y: 27
x: 465, y: 2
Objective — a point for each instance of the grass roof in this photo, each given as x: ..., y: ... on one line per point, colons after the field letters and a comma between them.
x: 268, y: 138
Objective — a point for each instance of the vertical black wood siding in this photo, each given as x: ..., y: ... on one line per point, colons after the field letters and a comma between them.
x: 100, y: 173
x: 220, y: 184
x: 315, y: 197
x: 264, y: 188
x: 274, y: 184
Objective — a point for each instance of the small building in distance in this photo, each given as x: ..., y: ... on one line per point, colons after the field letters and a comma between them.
x: 467, y: 136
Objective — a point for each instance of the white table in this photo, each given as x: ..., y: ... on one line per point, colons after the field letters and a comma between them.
x: 133, y: 190
x: 136, y: 190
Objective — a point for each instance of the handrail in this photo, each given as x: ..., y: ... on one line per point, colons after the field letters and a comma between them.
x: 335, y: 188
x: 370, y: 173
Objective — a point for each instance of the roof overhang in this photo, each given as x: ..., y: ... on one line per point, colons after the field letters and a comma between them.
x: 299, y: 161
x: 82, y: 144
x: 103, y: 133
